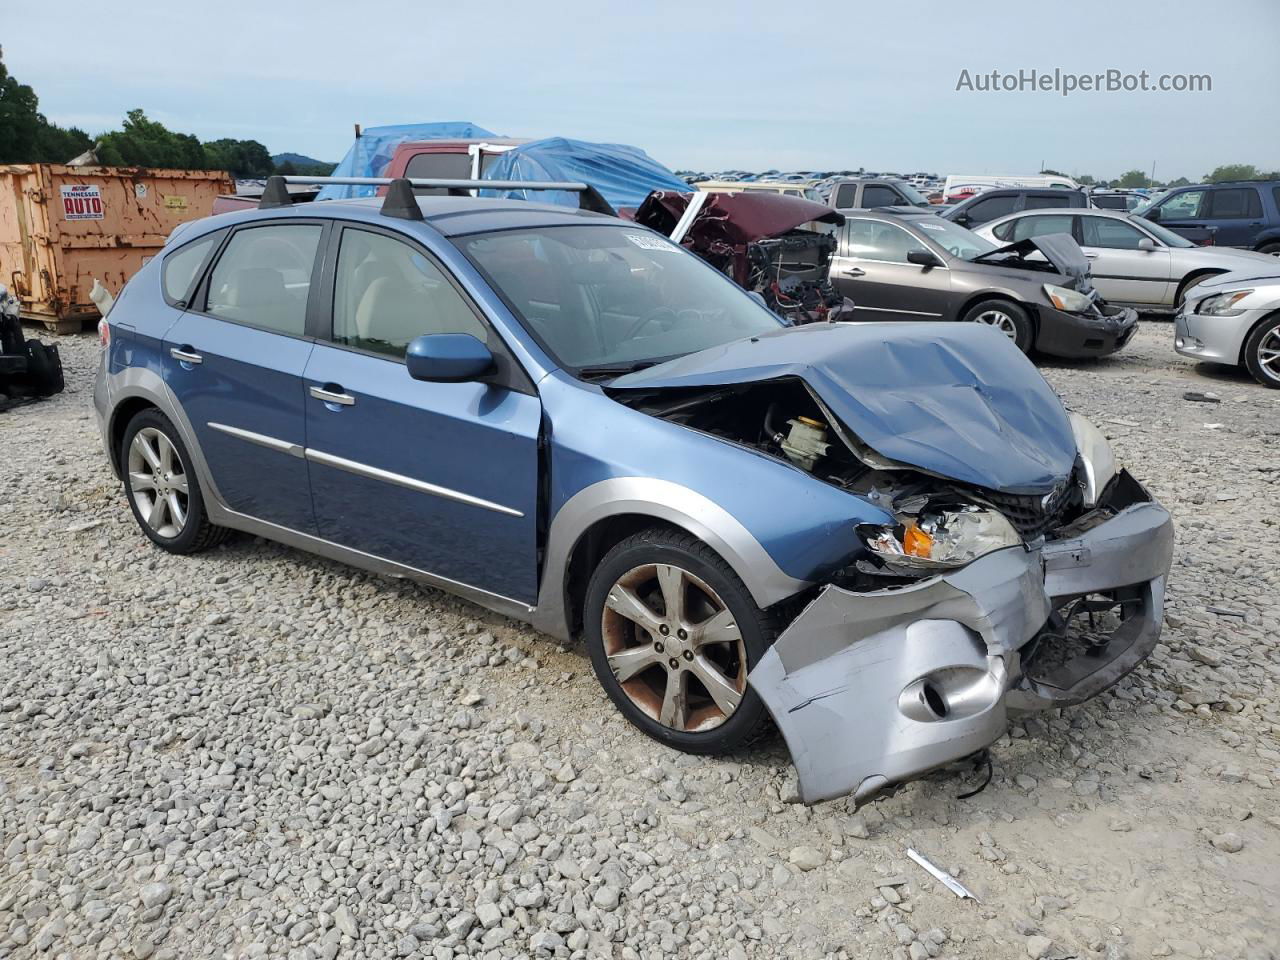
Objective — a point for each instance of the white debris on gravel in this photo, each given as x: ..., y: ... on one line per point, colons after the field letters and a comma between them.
x: 258, y: 753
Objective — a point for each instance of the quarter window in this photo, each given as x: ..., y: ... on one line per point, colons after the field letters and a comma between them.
x: 182, y: 265
x: 873, y: 240
x: 1109, y: 233
x: 387, y: 292
x: 263, y: 277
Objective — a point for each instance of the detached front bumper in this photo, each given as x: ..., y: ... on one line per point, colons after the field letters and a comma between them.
x: 1078, y: 335
x: 873, y: 689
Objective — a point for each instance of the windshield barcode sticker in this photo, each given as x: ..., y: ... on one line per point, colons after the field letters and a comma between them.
x: 646, y: 242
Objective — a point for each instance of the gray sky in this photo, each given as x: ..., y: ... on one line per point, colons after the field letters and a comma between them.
x: 704, y: 85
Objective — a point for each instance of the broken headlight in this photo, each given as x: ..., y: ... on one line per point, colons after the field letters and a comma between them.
x: 1068, y: 301
x: 940, y: 539
x: 1096, y: 454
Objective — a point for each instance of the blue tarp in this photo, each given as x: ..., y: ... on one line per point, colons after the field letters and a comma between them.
x: 624, y: 175
x: 370, y: 154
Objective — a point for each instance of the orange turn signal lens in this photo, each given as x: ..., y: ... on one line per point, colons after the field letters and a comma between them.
x: 917, y: 543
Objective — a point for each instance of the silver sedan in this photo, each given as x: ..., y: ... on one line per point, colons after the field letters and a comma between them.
x: 1134, y: 262
x: 1235, y: 319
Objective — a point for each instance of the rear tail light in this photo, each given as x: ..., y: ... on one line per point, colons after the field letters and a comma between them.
x: 104, y: 333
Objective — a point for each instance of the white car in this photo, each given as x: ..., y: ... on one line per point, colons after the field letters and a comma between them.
x: 1235, y: 319
x: 1134, y: 262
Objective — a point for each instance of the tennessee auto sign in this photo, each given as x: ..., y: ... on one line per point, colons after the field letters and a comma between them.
x: 81, y: 202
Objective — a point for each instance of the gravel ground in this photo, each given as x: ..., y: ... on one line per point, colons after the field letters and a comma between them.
x: 258, y: 753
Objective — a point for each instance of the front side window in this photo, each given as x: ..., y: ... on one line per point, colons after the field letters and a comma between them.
x: 263, y: 277
x: 386, y: 293
x: 606, y: 296
x: 1182, y: 206
x: 875, y: 240
x: 1109, y: 233
x: 985, y: 210
x: 181, y: 266
x: 875, y: 195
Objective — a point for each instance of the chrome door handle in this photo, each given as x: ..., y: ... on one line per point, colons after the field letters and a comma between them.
x: 186, y: 356
x: 853, y: 272
x: 330, y: 396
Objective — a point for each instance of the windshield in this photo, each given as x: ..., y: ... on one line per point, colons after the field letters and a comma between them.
x: 605, y: 296
x: 955, y: 239
x: 1163, y: 234
x: 914, y: 196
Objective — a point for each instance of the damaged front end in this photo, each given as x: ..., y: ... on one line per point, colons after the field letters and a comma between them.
x: 1023, y: 569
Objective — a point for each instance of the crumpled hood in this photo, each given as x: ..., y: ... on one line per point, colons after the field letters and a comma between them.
x: 1058, y: 248
x: 955, y: 399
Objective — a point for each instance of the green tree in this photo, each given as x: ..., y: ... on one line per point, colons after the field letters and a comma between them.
x: 25, y: 135
x: 243, y: 159
x: 1053, y: 173
x: 1232, y: 171
x: 1085, y: 180
x: 1133, y: 178
x: 143, y: 142
x: 287, y: 169
x: 1180, y: 182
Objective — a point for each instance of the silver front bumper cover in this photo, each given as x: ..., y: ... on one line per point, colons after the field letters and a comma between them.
x: 872, y: 689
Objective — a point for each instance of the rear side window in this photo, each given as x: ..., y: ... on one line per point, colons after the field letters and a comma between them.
x: 1234, y: 204
x: 1275, y: 195
x: 181, y: 266
x: 1025, y: 227
x: 386, y: 293
x: 263, y: 277
x: 1044, y: 201
x: 438, y: 166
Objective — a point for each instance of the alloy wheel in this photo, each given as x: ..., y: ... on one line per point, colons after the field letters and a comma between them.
x: 674, y: 647
x: 1269, y: 354
x: 157, y: 482
x: 1000, y: 320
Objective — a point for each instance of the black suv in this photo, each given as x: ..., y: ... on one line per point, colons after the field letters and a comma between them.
x: 989, y: 204
x: 1237, y: 213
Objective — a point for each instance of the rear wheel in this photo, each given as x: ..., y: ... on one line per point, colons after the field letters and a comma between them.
x: 163, y: 491
x: 672, y: 634
x: 1262, y: 353
x: 1007, y: 317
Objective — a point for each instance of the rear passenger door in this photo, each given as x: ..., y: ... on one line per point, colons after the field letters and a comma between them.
x: 1234, y: 214
x: 234, y: 361
x: 439, y: 477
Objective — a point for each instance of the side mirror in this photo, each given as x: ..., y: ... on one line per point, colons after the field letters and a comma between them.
x: 923, y: 258
x: 961, y: 218
x: 1146, y: 243
x: 447, y: 358
x: 1153, y: 215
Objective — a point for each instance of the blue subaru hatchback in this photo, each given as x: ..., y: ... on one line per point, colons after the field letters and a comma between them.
x: 886, y: 537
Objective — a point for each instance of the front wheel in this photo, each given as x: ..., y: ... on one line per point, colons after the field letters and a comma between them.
x: 162, y: 488
x: 1262, y: 353
x: 1272, y: 248
x: 672, y: 634
x: 1007, y: 317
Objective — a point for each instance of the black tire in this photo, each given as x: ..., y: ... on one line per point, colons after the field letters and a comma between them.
x: 1267, y: 332
x: 196, y: 532
x: 757, y: 629
x: 1188, y: 284
x: 44, y: 369
x: 1272, y: 248
x: 1024, y: 331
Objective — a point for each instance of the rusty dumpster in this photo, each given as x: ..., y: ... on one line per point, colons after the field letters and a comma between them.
x: 62, y: 227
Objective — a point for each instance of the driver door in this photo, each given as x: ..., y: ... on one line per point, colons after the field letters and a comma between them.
x: 871, y: 268
x: 440, y: 477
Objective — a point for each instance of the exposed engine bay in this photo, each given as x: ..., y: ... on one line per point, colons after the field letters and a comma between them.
x: 939, y: 518
x: 791, y: 273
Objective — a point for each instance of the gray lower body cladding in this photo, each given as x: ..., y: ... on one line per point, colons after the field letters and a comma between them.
x: 873, y: 689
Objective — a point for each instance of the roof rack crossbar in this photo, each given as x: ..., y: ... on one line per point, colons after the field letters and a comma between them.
x: 589, y: 198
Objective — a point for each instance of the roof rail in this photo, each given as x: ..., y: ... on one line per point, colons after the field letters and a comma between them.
x: 399, y: 203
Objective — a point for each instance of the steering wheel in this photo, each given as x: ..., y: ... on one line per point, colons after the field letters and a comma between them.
x: 649, y: 318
